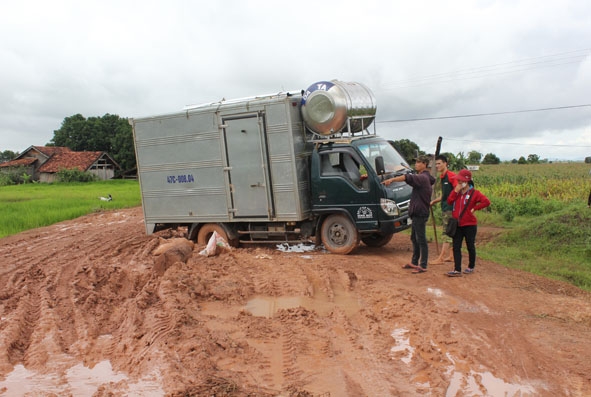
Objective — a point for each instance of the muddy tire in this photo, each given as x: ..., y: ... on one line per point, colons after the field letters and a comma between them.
x: 207, y: 230
x: 377, y: 239
x: 339, y: 234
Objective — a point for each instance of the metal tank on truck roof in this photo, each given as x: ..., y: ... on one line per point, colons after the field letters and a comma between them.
x: 332, y: 107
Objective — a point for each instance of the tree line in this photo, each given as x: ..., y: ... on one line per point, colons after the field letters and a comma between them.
x: 409, y: 150
x: 113, y: 134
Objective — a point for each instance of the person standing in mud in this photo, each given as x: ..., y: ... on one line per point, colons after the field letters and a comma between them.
x: 465, y: 200
x: 418, y: 211
x: 448, y: 183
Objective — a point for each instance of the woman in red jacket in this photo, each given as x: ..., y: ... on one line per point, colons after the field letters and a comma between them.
x: 467, y: 199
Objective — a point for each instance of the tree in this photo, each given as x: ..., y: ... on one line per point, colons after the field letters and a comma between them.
x: 7, y: 155
x: 460, y: 161
x: 474, y: 157
x: 491, y: 158
x: 533, y: 159
x: 407, y: 148
x: 522, y: 160
x: 108, y: 133
x: 451, y: 160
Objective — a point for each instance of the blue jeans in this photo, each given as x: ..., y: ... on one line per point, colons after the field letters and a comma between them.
x: 468, y: 233
x: 418, y: 237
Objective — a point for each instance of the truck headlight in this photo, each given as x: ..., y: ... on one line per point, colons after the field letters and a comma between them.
x: 389, y: 207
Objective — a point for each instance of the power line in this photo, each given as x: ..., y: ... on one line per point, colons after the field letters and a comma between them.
x: 449, y: 80
x: 526, y: 61
x: 564, y: 58
x: 485, y: 114
x: 512, y: 143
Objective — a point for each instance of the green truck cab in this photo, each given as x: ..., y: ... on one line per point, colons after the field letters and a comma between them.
x: 349, y: 198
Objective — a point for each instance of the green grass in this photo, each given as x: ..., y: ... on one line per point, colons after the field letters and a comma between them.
x: 29, y: 206
x: 555, y: 245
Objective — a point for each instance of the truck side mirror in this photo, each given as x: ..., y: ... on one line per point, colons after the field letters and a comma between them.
x: 380, y: 169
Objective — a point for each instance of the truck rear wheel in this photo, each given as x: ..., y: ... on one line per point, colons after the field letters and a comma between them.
x: 339, y: 234
x: 377, y: 239
x: 207, y: 230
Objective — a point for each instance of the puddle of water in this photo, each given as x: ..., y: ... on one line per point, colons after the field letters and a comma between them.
x: 295, y: 248
x: 485, y: 384
x: 400, y: 335
x: 80, y: 381
x: 266, y: 306
x: 83, y: 380
x: 21, y: 382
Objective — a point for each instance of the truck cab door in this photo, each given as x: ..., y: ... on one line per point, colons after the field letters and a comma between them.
x: 249, y: 184
x: 340, y: 183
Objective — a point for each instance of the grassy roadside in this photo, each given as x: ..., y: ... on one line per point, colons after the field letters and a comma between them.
x: 555, y: 245
x: 28, y: 206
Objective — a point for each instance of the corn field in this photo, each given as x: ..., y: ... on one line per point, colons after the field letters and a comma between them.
x: 564, y: 182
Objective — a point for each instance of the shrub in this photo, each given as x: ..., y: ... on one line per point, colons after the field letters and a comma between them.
x: 75, y: 175
x: 14, y: 176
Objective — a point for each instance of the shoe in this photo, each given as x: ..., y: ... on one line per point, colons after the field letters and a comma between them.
x: 409, y: 266
x: 419, y: 269
x: 468, y: 270
x: 454, y: 274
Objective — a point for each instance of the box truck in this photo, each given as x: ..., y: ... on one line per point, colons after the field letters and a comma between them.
x: 287, y: 167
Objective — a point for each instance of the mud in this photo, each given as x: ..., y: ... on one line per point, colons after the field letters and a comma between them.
x: 95, y: 307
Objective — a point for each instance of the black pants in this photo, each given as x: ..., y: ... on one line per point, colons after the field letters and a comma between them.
x: 468, y: 233
x: 418, y: 237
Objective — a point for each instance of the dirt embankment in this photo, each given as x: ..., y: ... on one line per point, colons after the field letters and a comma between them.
x: 93, y: 306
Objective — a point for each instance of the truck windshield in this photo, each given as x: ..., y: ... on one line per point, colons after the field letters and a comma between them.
x: 393, y: 161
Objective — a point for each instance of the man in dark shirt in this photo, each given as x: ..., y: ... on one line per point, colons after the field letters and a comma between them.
x: 418, y: 211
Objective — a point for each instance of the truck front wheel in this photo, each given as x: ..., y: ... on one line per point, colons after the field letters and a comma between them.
x: 207, y: 230
x: 339, y: 234
x: 377, y: 239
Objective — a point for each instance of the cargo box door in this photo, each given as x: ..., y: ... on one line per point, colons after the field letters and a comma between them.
x: 245, y: 143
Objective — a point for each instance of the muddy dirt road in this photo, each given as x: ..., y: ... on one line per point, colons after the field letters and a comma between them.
x: 87, y: 307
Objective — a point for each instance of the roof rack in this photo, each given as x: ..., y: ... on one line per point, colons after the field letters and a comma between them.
x: 225, y: 101
x: 344, y: 135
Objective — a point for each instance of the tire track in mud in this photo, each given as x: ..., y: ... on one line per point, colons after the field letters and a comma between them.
x: 343, y: 331
x: 31, y: 336
x: 15, y: 339
x: 45, y: 315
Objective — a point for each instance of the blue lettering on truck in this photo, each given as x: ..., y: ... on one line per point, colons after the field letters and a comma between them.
x: 320, y: 86
x: 180, y: 178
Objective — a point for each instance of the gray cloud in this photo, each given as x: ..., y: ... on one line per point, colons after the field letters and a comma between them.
x: 422, y: 60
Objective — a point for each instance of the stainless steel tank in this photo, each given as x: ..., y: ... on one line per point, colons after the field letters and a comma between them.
x: 330, y: 107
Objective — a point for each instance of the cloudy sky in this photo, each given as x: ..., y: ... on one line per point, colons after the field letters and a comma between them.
x: 508, y: 77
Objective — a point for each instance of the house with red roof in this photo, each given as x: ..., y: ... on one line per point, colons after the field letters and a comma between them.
x: 43, y: 162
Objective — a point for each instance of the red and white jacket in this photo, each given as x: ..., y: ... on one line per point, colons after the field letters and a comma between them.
x: 458, y: 200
